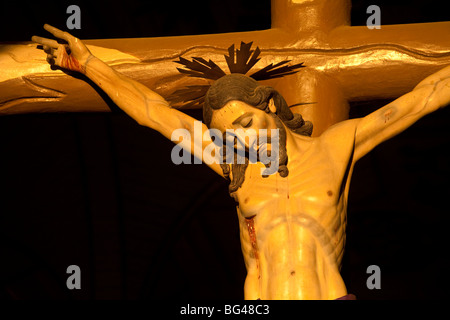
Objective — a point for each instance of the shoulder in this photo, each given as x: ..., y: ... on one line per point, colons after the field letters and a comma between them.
x: 344, y: 130
x: 339, y: 139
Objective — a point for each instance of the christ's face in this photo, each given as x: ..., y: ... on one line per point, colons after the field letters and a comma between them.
x: 246, y: 122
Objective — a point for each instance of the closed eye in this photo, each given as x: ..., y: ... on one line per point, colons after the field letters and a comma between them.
x: 247, y: 122
x: 244, y: 120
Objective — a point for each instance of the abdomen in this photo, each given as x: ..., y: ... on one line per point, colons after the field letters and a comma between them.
x: 290, y: 258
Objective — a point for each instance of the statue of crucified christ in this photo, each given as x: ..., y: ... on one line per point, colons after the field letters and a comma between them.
x: 292, y: 223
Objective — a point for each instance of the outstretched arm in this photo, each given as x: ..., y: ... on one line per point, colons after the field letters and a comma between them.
x: 428, y: 96
x: 139, y: 102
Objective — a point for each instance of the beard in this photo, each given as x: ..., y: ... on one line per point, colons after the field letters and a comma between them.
x: 238, y: 169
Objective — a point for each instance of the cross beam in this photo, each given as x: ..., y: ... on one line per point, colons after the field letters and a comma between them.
x: 345, y: 63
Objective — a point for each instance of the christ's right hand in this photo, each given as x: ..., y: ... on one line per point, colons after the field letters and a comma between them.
x: 72, y: 56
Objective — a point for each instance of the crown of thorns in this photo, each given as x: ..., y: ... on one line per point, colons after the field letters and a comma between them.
x: 238, y: 61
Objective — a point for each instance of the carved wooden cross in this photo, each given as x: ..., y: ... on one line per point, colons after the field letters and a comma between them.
x: 344, y: 63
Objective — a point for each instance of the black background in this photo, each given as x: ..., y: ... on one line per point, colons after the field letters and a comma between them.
x: 101, y: 192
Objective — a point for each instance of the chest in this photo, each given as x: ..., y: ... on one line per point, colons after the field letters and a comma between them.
x: 314, y: 181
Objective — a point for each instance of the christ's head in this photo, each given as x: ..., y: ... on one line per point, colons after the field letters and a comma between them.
x: 237, y: 101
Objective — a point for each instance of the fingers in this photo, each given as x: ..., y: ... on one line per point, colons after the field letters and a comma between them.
x: 48, y: 49
x: 46, y: 42
x: 56, y: 55
x: 58, y: 33
x: 51, y: 59
x: 52, y: 54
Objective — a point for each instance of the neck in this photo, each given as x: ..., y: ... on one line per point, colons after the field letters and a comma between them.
x: 295, y: 144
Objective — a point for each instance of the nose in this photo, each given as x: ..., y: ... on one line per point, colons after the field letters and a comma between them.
x: 246, y: 139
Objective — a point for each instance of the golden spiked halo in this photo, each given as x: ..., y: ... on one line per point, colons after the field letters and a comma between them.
x: 238, y: 60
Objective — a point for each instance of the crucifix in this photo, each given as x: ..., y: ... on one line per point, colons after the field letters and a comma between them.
x: 344, y: 64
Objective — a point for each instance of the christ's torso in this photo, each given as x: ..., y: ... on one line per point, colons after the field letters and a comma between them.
x: 293, y: 228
